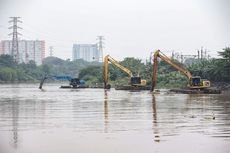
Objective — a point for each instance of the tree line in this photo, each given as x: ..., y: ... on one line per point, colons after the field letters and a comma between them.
x: 10, y: 71
x: 215, y: 70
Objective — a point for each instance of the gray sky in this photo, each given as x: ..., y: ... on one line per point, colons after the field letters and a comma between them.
x: 131, y: 27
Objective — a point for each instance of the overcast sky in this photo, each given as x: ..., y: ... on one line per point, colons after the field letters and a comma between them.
x: 130, y: 27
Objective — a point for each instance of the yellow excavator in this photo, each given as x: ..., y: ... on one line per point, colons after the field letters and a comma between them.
x: 194, y: 82
x: 134, y: 80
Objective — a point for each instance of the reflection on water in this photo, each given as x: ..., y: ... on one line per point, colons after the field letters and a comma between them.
x: 155, y: 128
x: 15, y: 113
x: 106, y: 110
x: 67, y: 120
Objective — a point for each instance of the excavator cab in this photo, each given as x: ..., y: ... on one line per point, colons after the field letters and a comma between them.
x: 197, y: 83
x: 74, y: 82
x: 135, y: 80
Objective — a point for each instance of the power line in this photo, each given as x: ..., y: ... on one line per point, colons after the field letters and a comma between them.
x: 48, y: 36
x: 15, y: 34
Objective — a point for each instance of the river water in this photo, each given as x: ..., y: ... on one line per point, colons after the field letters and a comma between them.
x: 98, y: 121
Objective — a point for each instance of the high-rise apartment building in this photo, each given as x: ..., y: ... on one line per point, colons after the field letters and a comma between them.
x: 28, y: 50
x: 1, y: 49
x: 87, y: 52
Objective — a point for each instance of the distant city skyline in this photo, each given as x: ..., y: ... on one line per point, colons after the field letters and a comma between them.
x: 132, y: 28
x: 28, y: 50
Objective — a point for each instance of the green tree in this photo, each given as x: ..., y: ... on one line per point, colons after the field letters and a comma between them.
x: 225, y: 54
x: 8, y: 74
x: 94, y: 74
x: 7, y: 61
x: 46, y: 69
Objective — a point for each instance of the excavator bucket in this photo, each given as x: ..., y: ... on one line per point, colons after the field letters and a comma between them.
x: 42, y: 81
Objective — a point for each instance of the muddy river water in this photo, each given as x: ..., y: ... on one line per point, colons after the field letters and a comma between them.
x: 98, y: 121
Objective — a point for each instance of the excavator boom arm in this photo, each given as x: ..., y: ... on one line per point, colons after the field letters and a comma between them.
x: 61, y: 77
x: 175, y: 65
x: 170, y: 62
x: 116, y: 63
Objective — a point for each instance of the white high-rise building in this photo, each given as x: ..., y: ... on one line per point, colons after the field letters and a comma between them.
x: 87, y: 52
x: 28, y: 50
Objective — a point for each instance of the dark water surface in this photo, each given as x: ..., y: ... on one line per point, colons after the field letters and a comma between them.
x: 98, y: 121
